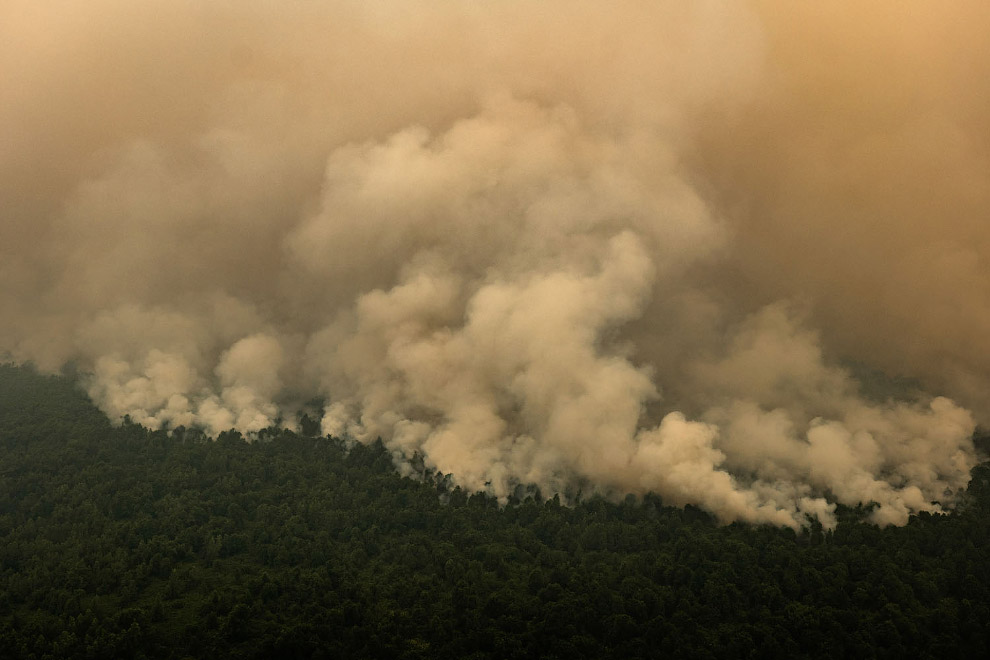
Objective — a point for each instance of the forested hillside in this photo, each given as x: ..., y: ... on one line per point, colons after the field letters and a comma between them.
x: 121, y: 542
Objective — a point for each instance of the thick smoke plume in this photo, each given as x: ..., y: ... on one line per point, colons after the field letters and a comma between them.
x: 617, y: 247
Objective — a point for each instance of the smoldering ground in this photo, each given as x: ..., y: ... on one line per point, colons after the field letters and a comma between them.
x: 631, y: 245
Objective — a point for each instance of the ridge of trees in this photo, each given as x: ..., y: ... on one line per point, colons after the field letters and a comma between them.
x: 125, y: 542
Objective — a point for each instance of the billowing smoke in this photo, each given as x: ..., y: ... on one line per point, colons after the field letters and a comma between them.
x: 617, y: 247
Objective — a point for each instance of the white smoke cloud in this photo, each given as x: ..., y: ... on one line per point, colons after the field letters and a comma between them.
x: 618, y: 248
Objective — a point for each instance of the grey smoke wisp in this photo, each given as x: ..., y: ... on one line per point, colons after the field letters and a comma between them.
x: 632, y: 245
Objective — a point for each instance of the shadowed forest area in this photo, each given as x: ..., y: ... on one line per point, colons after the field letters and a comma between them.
x: 123, y: 542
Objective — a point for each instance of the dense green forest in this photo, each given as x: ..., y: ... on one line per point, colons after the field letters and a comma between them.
x: 122, y: 542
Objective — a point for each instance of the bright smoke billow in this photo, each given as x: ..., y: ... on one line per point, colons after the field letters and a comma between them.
x: 632, y: 246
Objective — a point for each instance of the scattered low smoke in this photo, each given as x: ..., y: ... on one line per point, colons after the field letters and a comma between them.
x: 614, y: 247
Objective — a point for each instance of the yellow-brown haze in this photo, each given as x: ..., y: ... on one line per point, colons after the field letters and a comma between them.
x: 625, y: 245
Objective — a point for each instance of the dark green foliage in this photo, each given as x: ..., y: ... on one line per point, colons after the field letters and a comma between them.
x: 121, y: 542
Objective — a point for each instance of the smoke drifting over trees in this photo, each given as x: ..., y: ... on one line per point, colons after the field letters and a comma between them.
x: 626, y: 246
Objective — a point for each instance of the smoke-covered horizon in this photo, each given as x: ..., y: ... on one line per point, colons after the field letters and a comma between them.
x: 633, y: 246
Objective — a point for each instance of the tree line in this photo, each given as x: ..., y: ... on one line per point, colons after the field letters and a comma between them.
x: 120, y: 542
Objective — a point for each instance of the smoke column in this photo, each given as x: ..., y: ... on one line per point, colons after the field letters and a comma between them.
x: 622, y: 247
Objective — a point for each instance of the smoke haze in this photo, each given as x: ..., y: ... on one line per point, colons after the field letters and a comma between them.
x: 622, y: 247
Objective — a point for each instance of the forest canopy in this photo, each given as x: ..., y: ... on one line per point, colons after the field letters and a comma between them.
x: 118, y: 541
